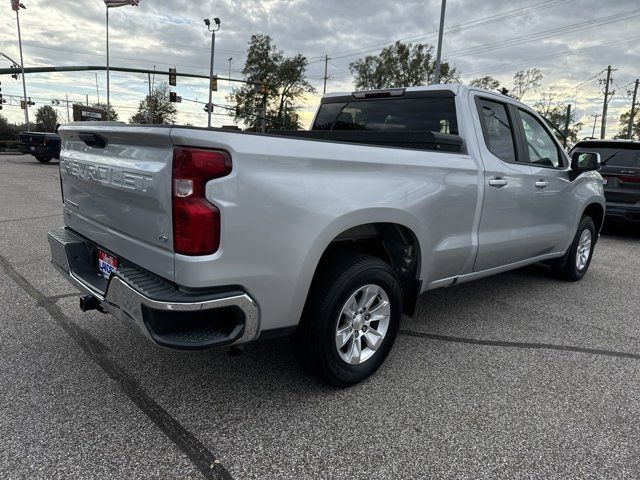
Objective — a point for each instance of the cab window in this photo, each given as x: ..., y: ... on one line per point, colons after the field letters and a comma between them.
x: 541, y: 148
x: 497, y: 129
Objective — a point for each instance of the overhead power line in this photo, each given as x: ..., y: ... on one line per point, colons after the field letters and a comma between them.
x: 498, y: 17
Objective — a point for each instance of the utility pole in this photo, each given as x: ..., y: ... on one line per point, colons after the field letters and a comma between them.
x: 230, y: 59
x: 68, y: 117
x: 595, y: 120
x: 213, y: 30
x: 24, y: 81
x: 440, y: 33
x: 603, y: 128
x: 633, y: 110
x: 326, y: 63
x: 566, y: 125
x: 87, y: 102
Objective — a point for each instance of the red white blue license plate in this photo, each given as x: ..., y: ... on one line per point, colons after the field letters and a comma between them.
x: 107, y: 264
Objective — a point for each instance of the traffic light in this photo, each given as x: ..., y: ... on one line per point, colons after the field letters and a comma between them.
x: 22, y: 105
x: 214, y: 83
x: 172, y: 76
x: 173, y: 97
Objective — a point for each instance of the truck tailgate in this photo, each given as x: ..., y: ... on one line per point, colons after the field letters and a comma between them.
x: 116, y: 184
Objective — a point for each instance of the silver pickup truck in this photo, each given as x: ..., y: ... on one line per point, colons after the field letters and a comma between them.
x: 206, y: 237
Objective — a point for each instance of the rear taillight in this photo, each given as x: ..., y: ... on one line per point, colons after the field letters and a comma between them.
x: 630, y: 179
x: 196, y: 222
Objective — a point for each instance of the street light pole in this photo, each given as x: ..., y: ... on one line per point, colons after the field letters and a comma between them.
x: 440, y: 33
x: 108, y: 104
x: 24, y: 81
x: 230, y: 59
x: 213, y: 31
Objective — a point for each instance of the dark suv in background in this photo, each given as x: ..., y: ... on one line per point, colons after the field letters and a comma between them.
x: 621, y: 173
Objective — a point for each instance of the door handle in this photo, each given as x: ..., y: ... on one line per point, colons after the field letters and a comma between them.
x: 498, y: 182
x: 542, y: 184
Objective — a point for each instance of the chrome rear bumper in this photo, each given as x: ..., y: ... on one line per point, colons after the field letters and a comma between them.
x: 163, y: 313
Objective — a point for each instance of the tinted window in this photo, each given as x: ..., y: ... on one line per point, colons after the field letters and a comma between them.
x: 391, y: 115
x: 622, y: 158
x: 498, y: 130
x: 540, y: 145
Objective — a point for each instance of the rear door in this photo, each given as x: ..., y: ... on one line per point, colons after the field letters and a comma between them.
x: 116, y: 183
x: 504, y: 234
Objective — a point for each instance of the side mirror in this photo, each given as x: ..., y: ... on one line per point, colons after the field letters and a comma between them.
x: 585, y: 161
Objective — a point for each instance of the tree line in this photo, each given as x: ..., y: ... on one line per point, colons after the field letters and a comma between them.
x: 278, y: 83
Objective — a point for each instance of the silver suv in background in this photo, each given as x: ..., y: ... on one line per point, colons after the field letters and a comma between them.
x: 206, y: 237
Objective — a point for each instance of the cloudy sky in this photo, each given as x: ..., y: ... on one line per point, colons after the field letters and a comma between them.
x: 571, y: 41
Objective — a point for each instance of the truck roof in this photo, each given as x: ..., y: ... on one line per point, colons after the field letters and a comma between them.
x: 455, y: 88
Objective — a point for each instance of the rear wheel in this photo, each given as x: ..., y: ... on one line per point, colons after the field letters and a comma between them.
x: 578, y: 258
x: 350, y: 320
x: 42, y: 159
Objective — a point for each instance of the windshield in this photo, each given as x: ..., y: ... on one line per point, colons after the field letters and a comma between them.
x: 403, y: 114
x: 624, y: 157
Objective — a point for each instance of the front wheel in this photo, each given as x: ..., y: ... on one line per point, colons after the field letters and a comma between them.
x: 351, y: 319
x: 42, y: 159
x: 578, y: 258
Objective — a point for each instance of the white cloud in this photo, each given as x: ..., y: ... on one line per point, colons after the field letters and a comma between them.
x: 168, y: 33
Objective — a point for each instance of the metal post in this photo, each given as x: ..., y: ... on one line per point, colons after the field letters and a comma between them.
x: 603, y: 127
x: 633, y: 110
x: 326, y: 61
x: 149, y: 99
x: 68, y: 117
x: 108, y: 85
x: 440, y: 33
x: 97, y: 91
x: 595, y: 120
x: 566, y: 125
x: 263, y: 122
x: 24, y: 80
x: 213, y: 48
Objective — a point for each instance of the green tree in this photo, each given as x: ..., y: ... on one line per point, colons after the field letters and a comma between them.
x: 46, y: 119
x: 556, y: 113
x: 156, y: 108
x: 525, y: 81
x: 8, y: 131
x: 624, y: 124
x: 400, y: 65
x: 286, y: 80
x: 487, y: 82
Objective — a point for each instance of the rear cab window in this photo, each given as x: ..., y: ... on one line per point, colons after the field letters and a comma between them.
x: 419, y: 114
x: 620, y: 155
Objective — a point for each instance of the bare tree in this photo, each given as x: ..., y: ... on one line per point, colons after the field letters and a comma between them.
x: 525, y: 81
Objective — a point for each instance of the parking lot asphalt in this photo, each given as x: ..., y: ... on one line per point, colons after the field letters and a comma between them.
x: 520, y: 375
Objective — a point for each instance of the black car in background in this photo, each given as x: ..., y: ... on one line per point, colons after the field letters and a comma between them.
x: 621, y: 173
x: 43, y: 146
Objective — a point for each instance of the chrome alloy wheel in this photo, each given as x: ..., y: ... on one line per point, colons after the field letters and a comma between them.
x: 584, y: 249
x: 362, y: 324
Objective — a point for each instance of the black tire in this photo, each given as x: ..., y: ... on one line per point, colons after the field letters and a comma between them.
x: 43, y: 159
x: 569, y: 269
x: 339, y: 277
